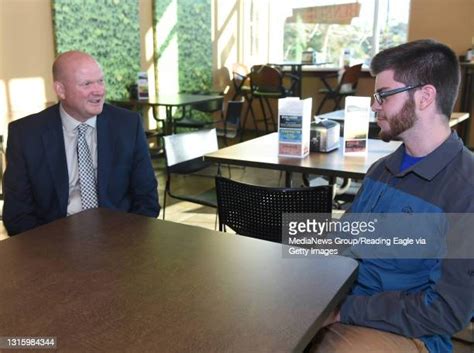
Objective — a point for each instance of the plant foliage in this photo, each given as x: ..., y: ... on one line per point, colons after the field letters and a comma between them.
x: 108, y: 30
x: 192, y: 28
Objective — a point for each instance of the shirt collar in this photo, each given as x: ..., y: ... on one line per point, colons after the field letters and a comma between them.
x: 432, y: 164
x: 70, y: 124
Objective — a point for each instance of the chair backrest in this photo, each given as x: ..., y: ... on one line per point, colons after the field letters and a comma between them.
x: 209, y: 106
x: 240, y: 69
x: 257, y: 211
x: 351, y: 76
x: 264, y: 78
x: 240, y: 77
x: 221, y: 80
x: 188, y: 147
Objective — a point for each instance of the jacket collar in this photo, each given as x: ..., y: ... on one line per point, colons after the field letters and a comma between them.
x: 432, y: 164
x: 105, y: 149
x: 53, y: 142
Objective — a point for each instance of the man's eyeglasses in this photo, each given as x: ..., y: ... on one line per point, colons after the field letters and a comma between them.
x: 380, y: 96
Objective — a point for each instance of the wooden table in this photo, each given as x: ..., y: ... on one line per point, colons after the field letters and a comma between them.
x: 262, y: 152
x: 170, y: 101
x: 105, y: 281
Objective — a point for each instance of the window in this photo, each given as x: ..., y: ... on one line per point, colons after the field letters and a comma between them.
x: 331, y: 27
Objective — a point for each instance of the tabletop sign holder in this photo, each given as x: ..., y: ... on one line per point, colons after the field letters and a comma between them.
x: 309, y: 57
x: 142, y: 86
x: 294, y: 124
x: 356, y: 125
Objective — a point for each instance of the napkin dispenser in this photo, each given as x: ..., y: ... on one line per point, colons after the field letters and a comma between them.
x: 324, y: 136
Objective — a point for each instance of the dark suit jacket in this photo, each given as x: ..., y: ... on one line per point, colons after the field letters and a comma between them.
x: 35, y: 182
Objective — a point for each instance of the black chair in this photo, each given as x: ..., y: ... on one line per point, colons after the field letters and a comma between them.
x: 184, y: 156
x: 257, y: 211
x: 240, y: 81
x: 154, y: 135
x: 221, y: 85
x: 229, y: 127
x: 346, y: 87
x: 188, y: 121
x: 266, y: 82
x: 221, y: 80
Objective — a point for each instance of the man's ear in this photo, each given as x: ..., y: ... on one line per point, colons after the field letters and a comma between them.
x: 426, y: 96
x: 59, y: 89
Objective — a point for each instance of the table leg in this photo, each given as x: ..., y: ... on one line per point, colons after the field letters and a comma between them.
x: 299, y: 74
x: 288, y: 181
x: 169, y: 120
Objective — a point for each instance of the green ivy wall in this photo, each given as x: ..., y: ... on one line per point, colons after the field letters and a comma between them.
x: 192, y: 31
x: 108, y: 30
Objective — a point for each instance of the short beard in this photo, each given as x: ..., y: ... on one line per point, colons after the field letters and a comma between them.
x: 400, y: 122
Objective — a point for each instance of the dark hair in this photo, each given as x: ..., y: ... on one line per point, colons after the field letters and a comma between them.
x: 423, y: 62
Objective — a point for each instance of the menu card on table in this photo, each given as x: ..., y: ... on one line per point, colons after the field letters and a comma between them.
x: 294, y: 123
x: 356, y: 125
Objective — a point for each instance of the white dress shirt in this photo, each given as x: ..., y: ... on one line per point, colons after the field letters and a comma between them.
x: 70, y: 143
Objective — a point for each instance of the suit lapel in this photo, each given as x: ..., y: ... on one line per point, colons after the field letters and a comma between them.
x: 53, y: 141
x: 105, y: 146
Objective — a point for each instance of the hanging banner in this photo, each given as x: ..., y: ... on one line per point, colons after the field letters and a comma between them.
x: 333, y: 14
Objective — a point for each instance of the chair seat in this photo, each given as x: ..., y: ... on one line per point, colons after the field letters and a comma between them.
x: 229, y: 125
x: 207, y: 107
x: 206, y: 198
x: 348, y: 92
x: 191, y: 123
x: 275, y: 94
x: 153, y: 133
x: 229, y: 132
x: 190, y: 166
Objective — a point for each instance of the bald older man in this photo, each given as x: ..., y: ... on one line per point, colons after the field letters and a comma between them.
x: 76, y: 155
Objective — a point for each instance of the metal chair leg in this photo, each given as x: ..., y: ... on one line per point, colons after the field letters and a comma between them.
x: 272, y: 117
x: 321, y: 105
x: 164, y: 205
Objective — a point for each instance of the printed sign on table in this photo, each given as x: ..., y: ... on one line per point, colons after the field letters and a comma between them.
x: 294, y: 121
x: 142, y: 85
x: 356, y: 125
